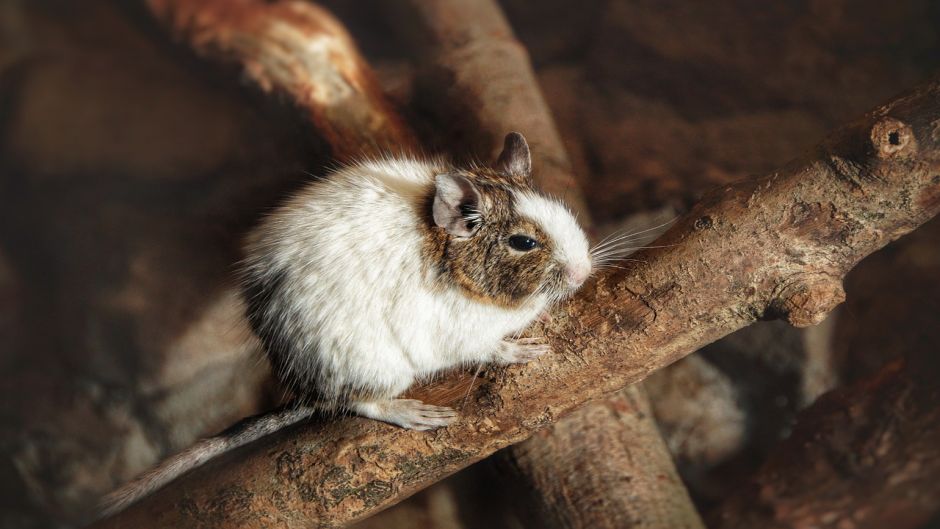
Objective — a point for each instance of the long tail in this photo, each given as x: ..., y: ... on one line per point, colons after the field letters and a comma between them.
x: 246, y: 431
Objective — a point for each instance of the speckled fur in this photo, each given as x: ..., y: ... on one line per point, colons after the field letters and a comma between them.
x: 483, y: 265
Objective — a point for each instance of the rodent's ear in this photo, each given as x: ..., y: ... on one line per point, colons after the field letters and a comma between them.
x: 515, y: 160
x: 456, y: 205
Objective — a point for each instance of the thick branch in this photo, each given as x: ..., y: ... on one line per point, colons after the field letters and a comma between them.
x: 863, y: 456
x: 868, y: 454
x: 298, y: 49
x: 776, y: 245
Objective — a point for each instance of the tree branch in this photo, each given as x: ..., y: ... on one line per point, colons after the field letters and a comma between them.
x: 772, y: 246
x: 867, y: 455
x: 300, y: 50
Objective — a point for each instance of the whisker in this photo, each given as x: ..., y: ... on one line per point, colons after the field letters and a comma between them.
x: 613, y: 266
x: 620, y: 238
x: 615, y: 253
x: 612, y: 235
x: 624, y: 246
x: 626, y: 240
x: 670, y: 221
x: 606, y: 263
x: 627, y: 247
x: 609, y: 235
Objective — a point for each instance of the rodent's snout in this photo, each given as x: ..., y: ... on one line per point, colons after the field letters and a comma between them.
x: 577, y: 273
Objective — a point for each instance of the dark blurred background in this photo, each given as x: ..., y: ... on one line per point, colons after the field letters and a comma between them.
x: 130, y: 168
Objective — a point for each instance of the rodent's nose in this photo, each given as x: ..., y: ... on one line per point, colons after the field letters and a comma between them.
x: 576, y: 274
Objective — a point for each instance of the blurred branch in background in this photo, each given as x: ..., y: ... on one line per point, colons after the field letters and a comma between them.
x: 299, y: 50
x: 867, y: 455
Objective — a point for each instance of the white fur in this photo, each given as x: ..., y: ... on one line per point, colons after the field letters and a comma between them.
x: 371, y: 309
x: 571, y: 245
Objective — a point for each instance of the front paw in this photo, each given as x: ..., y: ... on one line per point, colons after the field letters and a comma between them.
x: 521, y: 351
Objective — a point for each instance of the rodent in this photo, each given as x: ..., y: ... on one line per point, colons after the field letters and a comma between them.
x: 387, y: 272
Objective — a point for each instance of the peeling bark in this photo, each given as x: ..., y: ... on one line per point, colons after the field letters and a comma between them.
x: 777, y: 245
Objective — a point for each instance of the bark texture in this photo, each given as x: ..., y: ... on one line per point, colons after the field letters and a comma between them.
x: 777, y: 245
x: 300, y: 50
x: 605, y: 466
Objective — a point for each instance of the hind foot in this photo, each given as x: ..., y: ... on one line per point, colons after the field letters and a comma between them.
x: 407, y: 413
x: 521, y: 351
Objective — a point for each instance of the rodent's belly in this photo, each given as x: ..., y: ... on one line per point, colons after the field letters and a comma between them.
x: 383, y: 343
x: 456, y: 331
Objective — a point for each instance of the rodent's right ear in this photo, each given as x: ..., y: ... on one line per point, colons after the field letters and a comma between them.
x: 456, y: 205
x: 516, y: 160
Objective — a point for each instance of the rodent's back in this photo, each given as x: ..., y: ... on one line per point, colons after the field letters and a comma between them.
x: 341, y: 213
x: 323, y: 268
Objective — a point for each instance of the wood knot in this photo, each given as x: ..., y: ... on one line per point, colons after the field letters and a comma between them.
x: 703, y: 223
x: 808, y: 300
x: 892, y: 139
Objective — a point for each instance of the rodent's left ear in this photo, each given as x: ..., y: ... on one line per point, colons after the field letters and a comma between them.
x: 515, y: 160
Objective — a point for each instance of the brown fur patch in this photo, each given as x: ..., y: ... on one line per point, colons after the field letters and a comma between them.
x: 483, y: 265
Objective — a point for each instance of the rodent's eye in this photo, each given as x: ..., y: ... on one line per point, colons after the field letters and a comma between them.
x: 522, y: 243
